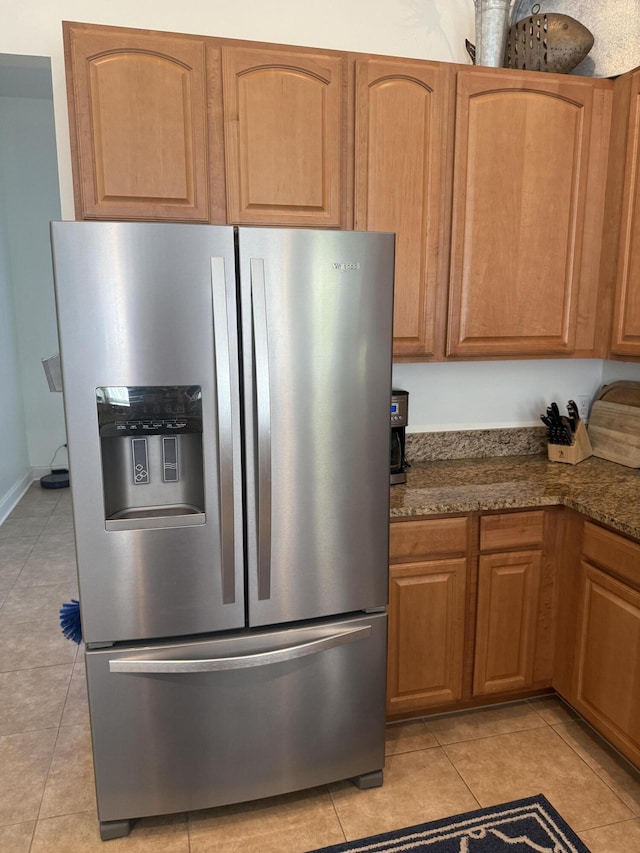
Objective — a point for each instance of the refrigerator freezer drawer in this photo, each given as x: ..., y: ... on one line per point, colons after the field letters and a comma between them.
x: 192, y: 725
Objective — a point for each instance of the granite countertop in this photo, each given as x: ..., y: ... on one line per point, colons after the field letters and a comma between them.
x: 604, y: 491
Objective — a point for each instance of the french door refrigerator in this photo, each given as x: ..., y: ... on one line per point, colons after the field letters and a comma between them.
x: 227, y: 399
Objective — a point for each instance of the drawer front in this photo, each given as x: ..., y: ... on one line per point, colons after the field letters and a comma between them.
x: 612, y: 552
x: 217, y: 729
x: 511, y: 530
x: 412, y: 541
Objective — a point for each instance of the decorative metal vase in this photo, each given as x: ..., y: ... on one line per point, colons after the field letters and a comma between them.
x: 550, y: 42
x: 492, y: 23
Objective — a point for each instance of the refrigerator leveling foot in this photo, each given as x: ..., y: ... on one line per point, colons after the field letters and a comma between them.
x: 110, y: 829
x: 368, y: 780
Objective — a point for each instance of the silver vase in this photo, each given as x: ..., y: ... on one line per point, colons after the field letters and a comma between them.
x: 492, y: 23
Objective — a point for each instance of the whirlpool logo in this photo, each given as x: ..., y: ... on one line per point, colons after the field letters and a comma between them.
x: 346, y: 267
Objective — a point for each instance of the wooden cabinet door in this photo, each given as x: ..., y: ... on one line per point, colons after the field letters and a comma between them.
x: 426, y: 634
x: 138, y: 115
x: 284, y: 142
x: 508, y: 586
x: 401, y: 185
x: 608, y: 656
x: 626, y: 323
x: 520, y: 183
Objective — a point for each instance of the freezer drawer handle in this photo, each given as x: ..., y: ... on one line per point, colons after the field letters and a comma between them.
x: 263, y: 414
x: 225, y: 426
x: 350, y: 635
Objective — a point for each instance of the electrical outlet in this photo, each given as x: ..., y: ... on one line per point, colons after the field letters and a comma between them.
x: 583, y: 405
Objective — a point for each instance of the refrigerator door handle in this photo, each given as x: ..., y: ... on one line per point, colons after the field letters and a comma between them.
x: 225, y: 426
x: 351, y: 635
x: 263, y: 417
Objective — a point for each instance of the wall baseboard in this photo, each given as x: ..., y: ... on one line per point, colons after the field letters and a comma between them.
x: 36, y: 473
x: 9, y: 501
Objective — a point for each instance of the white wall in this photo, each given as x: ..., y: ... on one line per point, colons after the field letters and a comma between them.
x: 30, y: 187
x: 614, y: 370
x: 15, y: 470
x: 491, y: 394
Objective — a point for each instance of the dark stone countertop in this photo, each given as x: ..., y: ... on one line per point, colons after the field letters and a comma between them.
x: 604, y: 491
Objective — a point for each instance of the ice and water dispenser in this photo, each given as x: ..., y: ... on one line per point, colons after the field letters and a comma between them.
x: 151, y: 447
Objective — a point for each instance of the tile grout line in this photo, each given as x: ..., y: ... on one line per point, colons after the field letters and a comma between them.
x: 596, y: 771
x: 335, y: 811
x: 461, y: 777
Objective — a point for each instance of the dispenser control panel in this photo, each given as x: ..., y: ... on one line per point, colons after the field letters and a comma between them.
x: 149, y: 410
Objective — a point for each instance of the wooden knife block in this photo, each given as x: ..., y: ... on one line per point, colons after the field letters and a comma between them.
x: 572, y: 453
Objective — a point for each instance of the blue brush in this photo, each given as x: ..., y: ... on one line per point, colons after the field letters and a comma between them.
x: 70, y: 620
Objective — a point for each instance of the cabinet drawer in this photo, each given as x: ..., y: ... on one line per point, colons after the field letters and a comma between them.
x: 209, y: 753
x: 612, y: 552
x: 419, y: 540
x: 511, y: 530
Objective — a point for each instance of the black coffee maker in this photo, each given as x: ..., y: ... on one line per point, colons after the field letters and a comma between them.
x: 399, y: 413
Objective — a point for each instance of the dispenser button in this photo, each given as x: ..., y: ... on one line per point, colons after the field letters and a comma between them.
x: 140, y: 459
x: 170, y: 472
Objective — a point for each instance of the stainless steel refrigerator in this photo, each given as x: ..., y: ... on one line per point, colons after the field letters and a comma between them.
x: 227, y: 399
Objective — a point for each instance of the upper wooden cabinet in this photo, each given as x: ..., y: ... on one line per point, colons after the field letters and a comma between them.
x: 402, y: 185
x: 523, y: 160
x: 138, y: 114
x: 283, y: 131
x: 498, y: 223
x: 179, y: 128
x: 626, y: 323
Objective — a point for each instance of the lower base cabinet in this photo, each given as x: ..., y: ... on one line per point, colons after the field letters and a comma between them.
x: 427, y: 606
x: 492, y: 606
x: 427, y: 610
x: 470, y: 610
x: 607, y: 677
x: 507, y: 610
x: 511, y: 598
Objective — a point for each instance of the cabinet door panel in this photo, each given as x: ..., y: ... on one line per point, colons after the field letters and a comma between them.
x: 401, y: 112
x: 626, y: 327
x: 520, y: 175
x: 426, y: 634
x: 608, y: 651
x: 138, y: 105
x: 283, y: 137
x: 506, y: 621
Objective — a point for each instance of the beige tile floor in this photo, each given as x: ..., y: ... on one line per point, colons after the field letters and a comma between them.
x: 435, y: 767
